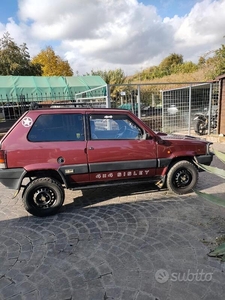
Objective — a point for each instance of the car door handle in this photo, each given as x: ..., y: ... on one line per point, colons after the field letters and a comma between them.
x: 91, y: 148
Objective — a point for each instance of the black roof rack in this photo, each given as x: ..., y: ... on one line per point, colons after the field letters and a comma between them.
x: 35, y: 105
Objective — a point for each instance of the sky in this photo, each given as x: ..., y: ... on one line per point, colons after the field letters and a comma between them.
x: 116, y: 34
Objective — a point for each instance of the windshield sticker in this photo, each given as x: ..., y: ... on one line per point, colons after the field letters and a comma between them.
x: 27, y: 122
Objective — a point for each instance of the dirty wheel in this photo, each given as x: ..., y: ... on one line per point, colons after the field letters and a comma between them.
x: 200, y: 127
x: 182, y: 177
x: 43, y: 197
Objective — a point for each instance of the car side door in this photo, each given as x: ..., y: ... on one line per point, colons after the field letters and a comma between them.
x: 117, y: 148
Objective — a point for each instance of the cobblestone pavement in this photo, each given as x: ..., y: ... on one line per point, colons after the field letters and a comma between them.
x: 129, y: 243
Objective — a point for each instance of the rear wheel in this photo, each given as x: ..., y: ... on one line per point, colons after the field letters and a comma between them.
x: 182, y: 177
x: 43, y: 197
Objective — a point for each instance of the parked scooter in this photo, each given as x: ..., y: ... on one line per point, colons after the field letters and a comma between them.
x: 201, y: 125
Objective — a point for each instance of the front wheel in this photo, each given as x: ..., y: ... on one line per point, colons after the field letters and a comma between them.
x: 43, y: 197
x: 182, y: 177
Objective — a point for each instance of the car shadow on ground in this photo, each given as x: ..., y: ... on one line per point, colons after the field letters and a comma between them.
x: 134, y: 193
x: 90, y: 197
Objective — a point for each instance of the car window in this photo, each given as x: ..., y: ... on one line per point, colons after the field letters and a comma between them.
x: 113, y: 127
x: 57, y: 127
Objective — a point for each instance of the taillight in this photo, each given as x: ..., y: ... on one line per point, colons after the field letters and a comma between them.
x: 2, y: 159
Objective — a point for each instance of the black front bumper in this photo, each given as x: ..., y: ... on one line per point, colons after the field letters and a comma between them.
x: 205, y: 159
x: 12, y: 178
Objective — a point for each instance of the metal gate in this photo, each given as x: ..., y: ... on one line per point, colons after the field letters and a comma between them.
x: 168, y: 107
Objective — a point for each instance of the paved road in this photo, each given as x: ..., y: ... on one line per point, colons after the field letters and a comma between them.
x: 131, y: 243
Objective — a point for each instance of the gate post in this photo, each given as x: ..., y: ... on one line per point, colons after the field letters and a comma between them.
x: 189, y: 115
x: 210, y: 109
x: 108, y: 101
x: 139, y: 101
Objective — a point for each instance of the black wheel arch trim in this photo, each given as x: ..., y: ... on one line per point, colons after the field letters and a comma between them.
x: 12, y: 178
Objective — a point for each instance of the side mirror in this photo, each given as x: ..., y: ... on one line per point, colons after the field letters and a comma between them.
x: 143, y: 136
x: 146, y: 136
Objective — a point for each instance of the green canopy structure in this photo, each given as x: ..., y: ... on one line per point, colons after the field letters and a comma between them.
x: 17, y: 92
x: 38, y: 88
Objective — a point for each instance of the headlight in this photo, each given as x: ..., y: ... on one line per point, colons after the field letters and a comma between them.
x: 210, y: 148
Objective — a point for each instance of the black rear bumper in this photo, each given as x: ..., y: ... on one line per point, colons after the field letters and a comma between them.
x: 12, y: 178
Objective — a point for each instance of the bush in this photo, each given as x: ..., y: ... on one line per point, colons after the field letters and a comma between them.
x: 219, y: 251
x: 217, y: 172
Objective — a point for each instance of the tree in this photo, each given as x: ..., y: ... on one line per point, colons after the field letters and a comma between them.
x: 112, y: 76
x: 186, y: 67
x: 217, y: 63
x: 52, y: 64
x: 170, y: 63
x: 15, y: 60
x: 201, y: 61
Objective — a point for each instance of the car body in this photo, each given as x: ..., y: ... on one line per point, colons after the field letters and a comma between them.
x: 78, y: 148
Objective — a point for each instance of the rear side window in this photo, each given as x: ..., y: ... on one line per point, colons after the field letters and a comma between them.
x: 57, y: 127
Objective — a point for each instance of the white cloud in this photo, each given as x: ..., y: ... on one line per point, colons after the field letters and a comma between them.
x: 109, y: 34
x: 204, y: 24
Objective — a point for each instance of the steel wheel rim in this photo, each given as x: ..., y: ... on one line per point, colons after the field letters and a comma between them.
x: 182, y: 178
x: 44, y: 197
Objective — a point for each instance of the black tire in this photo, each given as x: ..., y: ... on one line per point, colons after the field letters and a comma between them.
x: 182, y: 177
x: 43, y: 197
x: 200, y: 127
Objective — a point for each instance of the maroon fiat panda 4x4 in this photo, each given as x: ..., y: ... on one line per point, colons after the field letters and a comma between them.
x: 50, y: 149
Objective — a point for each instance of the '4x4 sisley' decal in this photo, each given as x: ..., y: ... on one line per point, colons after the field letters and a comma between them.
x: 123, y: 174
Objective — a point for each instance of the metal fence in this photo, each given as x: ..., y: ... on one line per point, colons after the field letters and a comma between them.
x: 11, y: 108
x: 168, y: 107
